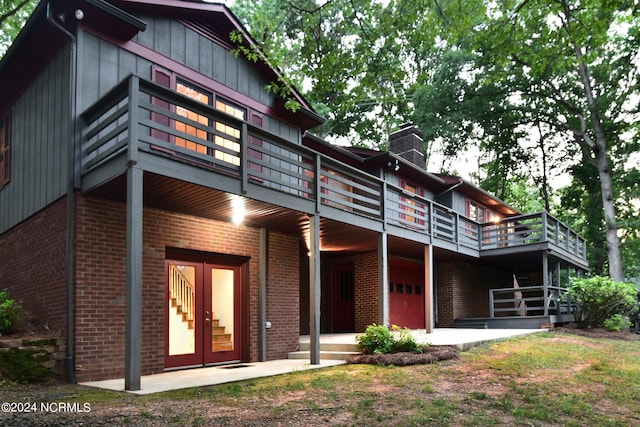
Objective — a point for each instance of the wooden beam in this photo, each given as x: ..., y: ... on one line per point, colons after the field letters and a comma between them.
x: 314, y: 288
x: 133, y: 330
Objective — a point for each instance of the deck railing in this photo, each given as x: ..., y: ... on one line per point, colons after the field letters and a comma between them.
x: 530, y: 301
x: 141, y: 116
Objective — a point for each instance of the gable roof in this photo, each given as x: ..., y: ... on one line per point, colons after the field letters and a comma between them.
x: 39, y: 41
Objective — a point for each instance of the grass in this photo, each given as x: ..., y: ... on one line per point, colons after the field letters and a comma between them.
x: 541, y: 379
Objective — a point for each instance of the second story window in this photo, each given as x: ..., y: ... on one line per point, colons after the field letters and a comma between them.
x: 477, y: 212
x: 211, y: 136
x: 5, y: 150
x: 226, y: 135
x: 415, y: 211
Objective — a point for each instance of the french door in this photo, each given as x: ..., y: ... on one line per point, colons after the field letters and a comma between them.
x: 204, y: 313
x: 343, y: 285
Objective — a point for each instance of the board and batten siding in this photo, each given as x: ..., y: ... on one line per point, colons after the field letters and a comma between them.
x: 105, y: 64
x: 39, y: 138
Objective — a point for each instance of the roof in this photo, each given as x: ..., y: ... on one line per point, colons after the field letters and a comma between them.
x: 477, y: 193
x: 39, y: 41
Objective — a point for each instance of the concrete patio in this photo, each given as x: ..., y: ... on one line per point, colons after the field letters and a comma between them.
x: 463, y: 339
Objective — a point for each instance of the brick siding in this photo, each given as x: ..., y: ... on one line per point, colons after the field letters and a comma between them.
x: 100, y: 313
x: 463, y: 290
x: 33, y: 266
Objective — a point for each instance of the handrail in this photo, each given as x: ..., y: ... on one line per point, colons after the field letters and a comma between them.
x: 529, y: 301
x: 138, y: 114
x: 183, y: 292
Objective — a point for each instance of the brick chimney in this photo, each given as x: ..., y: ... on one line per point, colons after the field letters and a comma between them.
x: 407, y: 142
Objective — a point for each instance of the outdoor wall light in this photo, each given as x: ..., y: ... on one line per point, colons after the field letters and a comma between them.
x: 237, y: 210
x: 79, y: 14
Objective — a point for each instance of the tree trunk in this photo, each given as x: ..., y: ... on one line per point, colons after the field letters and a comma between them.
x: 599, y: 152
x: 611, y: 225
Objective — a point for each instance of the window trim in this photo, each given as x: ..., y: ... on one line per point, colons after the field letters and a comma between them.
x: 5, y: 150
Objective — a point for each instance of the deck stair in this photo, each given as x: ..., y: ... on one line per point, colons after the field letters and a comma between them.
x: 328, y: 351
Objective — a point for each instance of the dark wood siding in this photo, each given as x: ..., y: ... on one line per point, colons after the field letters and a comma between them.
x: 183, y: 44
x: 39, y: 134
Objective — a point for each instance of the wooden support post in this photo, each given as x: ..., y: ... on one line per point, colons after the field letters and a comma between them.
x: 314, y: 288
x: 545, y: 282
x: 133, y: 331
x: 262, y: 272
x: 429, y: 321
x: 383, y: 280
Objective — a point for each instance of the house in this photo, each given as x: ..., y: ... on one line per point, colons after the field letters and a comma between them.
x: 162, y: 210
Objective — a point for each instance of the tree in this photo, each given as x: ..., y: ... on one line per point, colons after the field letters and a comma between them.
x: 570, y: 66
x: 13, y: 14
x: 356, y: 60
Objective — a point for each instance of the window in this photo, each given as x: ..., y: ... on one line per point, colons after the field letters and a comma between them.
x: 477, y: 212
x: 5, y: 150
x: 415, y: 211
x: 199, y: 132
x: 225, y: 130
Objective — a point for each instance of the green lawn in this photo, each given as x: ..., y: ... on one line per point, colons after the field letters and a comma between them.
x: 539, y: 380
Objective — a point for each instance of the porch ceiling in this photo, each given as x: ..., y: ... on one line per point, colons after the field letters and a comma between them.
x: 161, y: 192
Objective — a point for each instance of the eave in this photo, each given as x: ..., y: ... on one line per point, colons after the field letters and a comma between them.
x: 38, y: 41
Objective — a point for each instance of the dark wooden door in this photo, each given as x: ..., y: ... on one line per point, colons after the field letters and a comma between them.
x: 344, y: 286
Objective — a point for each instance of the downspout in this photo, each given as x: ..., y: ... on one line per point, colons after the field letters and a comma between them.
x: 69, y: 360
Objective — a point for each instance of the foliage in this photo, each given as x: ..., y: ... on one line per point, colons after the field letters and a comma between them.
x: 538, y: 74
x: 10, y: 313
x: 600, y: 298
x: 13, y: 14
x: 617, y: 323
x: 537, y: 89
x: 404, y: 341
x: 378, y: 339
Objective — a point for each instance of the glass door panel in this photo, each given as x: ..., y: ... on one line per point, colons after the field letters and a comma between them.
x: 183, y: 314
x: 222, y: 321
x: 223, y: 303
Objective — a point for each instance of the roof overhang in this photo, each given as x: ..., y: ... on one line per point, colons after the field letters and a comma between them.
x: 39, y: 41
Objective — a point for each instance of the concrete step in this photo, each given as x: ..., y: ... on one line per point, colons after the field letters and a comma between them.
x: 305, y: 346
x: 324, y: 355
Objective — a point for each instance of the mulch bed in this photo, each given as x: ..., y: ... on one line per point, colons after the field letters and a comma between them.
x: 436, y: 353
x: 432, y: 354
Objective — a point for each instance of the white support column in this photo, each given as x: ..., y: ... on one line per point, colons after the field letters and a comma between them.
x: 429, y: 317
x: 383, y: 279
x: 314, y: 288
x: 133, y: 331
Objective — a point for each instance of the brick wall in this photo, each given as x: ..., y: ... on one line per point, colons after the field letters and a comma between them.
x: 33, y: 265
x: 100, y: 314
x: 463, y: 290
x: 283, y: 304
x: 367, y: 291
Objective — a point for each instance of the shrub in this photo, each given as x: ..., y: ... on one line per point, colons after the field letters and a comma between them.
x: 10, y: 312
x: 617, y: 323
x: 377, y: 339
x: 405, y: 341
x: 600, y: 298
